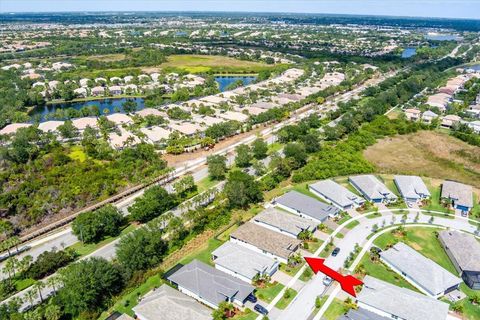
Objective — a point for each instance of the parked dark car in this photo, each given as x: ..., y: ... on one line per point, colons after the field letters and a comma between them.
x: 252, y: 298
x: 335, y: 252
x: 261, y: 309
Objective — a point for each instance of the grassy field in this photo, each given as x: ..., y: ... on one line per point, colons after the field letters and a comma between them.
x: 215, y: 64
x: 427, y: 153
x: 205, y: 184
x: 204, y: 254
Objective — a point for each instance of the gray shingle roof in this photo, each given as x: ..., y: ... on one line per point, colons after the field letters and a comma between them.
x: 336, y: 193
x: 243, y: 261
x: 267, y: 240
x: 401, y: 302
x: 167, y: 303
x: 459, y: 192
x: 428, y: 274
x: 371, y: 187
x: 209, y: 283
x: 464, y: 248
x: 307, y: 205
x: 285, y: 221
x: 361, y: 314
x: 411, y: 187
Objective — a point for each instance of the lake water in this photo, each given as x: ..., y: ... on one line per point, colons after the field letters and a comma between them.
x: 224, y: 82
x: 409, y: 52
x: 475, y: 67
x: 112, y: 105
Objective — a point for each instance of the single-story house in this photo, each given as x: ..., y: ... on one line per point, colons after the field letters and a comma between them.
x: 125, y: 138
x: 81, y: 92
x: 284, y: 222
x: 119, y: 118
x: 449, y: 120
x: 411, y: 188
x: 186, y: 128
x: 372, y: 189
x: 97, y: 91
x: 394, y: 302
x: 464, y: 252
x: 428, y: 116
x: 362, y: 314
x: 423, y: 273
x: 13, y: 127
x: 115, y: 90
x: 413, y: 114
x: 459, y: 194
x: 50, y: 126
x: 336, y: 194
x: 232, y: 115
x: 305, y: 206
x: 266, y: 241
x: 209, y: 285
x: 150, y: 112
x: 475, y: 126
x: 167, y: 303
x: 82, y: 123
x: 243, y: 263
x: 155, y: 133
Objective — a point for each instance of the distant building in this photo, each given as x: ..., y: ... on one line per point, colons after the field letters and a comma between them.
x: 243, y: 263
x: 372, y: 189
x: 413, y: 114
x: 460, y: 195
x: 393, y: 302
x: 167, y: 303
x: 426, y: 275
x: 411, y: 188
x: 464, y: 252
x: 305, y: 206
x: 209, y: 285
x: 428, y: 116
x: 336, y: 194
x: 450, y: 120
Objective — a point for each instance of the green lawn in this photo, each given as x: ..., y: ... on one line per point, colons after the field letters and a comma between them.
x: 382, y: 272
x: 204, y: 255
x: 435, y: 204
x: 327, y: 251
x: 314, y: 245
x: 291, y: 271
x: 306, y: 275
x: 246, y: 315
x: 352, y: 224
x: 470, y: 311
x: 374, y: 215
x: 83, y: 249
x: 274, y: 147
x: 287, y: 297
x: 424, y: 241
x: 268, y: 293
x: 22, y: 284
x: 345, y: 217
x: 335, y: 310
x: 205, y: 184
x: 225, y: 235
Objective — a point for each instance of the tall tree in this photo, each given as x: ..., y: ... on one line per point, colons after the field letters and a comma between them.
x: 241, y: 189
x: 259, y: 149
x: 244, y: 157
x: 217, y: 167
x: 154, y: 202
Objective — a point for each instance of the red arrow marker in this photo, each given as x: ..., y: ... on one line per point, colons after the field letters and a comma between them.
x: 347, y: 283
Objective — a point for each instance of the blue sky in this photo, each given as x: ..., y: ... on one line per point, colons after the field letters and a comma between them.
x: 422, y: 8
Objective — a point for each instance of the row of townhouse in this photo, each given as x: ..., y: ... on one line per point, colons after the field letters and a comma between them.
x: 447, y: 121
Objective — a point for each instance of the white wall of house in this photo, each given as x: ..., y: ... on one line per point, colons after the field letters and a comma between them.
x: 273, y: 228
x: 252, y: 247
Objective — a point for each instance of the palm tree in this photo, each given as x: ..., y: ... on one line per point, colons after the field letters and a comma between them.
x: 53, y: 282
x: 39, y: 285
x: 31, y: 295
x: 25, y: 263
x: 9, y: 268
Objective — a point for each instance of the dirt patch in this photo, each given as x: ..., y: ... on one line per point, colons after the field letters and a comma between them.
x: 427, y: 153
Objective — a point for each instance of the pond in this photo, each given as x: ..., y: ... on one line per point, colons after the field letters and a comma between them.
x: 409, y: 52
x: 224, y: 82
x: 112, y: 105
x: 475, y: 67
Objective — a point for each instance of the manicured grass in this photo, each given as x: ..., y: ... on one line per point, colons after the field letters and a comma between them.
x: 303, y: 188
x: 470, y: 311
x: 352, y: 224
x: 83, y: 249
x: 247, y: 314
x: 335, y: 310
x: 204, y: 254
x: 382, y: 272
x: 225, y: 235
x: 130, y: 300
x: 327, y: 251
x: 287, y: 297
x: 344, y: 218
x: 423, y: 240
x: 22, y: 284
x: 268, y: 293
x: 216, y: 64
x: 306, y: 275
x: 374, y: 215
x: 291, y: 271
x: 314, y: 245
x: 434, y: 203
x: 274, y: 147
x: 205, y: 184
